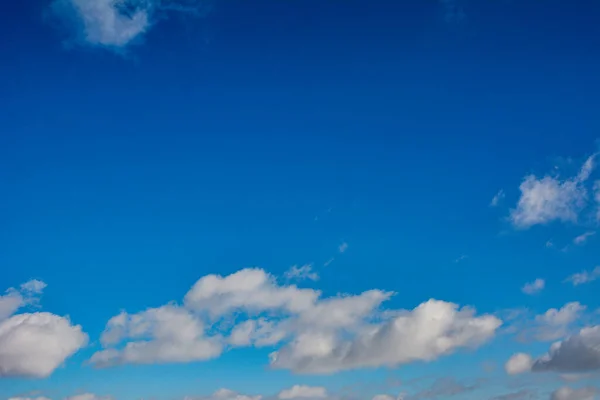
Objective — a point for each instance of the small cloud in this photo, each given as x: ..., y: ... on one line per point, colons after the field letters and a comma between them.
x: 581, y: 239
x: 303, y: 392
x: 548, y: 199
x: 497, y: 198
x: 116, y: 24
x: 534, y: 287
x: 343, y: 247
x: 549, y: 244
x: 584, y: 277
x: 326, y: 263
x: 301, y: 273
x: 461, y: 258
x: 518, y: 364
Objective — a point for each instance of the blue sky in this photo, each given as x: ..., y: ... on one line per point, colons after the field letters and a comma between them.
x: 243, y: 200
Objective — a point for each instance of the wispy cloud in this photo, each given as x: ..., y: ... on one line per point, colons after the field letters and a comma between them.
x: 534, y: 287
x: 343, y: 247
x: 581, y: 239
x: 301, y: 273
x: 584, y: 277
x: 497, y: 198
x: 461, y: 258
x: 117, y: 23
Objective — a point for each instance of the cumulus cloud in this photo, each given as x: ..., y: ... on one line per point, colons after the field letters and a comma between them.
x: 581, y: 239
x: 577, y: 353
x: 34, y: 344
x: 301, y: 273
x: 584, y: 277
x: 343, y: 247
x: 497, y: 198
x: 314, y: 334
x: 303, y: 392
x: 567, y: 393
x: 548, y: 199
x: 556, y: 323
x: 116, y: 23
x: 518, y: 364
x: 166, y: 334
x: 433, y: 329
x: 534, y: 287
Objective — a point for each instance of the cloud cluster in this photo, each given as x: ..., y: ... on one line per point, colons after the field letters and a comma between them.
x: 578, y: 353
x: 313, y: 334
x: 34, y: 344
x: 548, y: 199
x: 116, y: 23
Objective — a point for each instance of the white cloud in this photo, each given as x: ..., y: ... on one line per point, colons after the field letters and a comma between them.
x: 534, y: 287
x: 225, y: 394
x: 556, y: 323
x: 301, y: 273
x: 34, y: 344
x: 29, y: 398
x: 497, y: 198
x: 433, y: 329
x: 248, y: 290
x: 578, y: 353
x: 33, y: 286
x: 566, y: 393
x: 383, y: 397
x: 584, y: 277
x: 518, y: 364
x: 581, y: 239
x: 115, y: 23
x: 343, y: 247
x: 550, y: 199
x: 175, y: 334
x: 461, y: 258
x: 303, y: 392
x: 549, y: 244
x: 88, y: 396
x: 316, y: 334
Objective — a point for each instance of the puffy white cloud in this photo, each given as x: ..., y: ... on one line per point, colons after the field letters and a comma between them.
x: 549, y: 199
x: 343, y: 247
x: 158, y: 335
x: 303, y: 392
x: 555, y: 323
x: 567, y: 393
x: 518, y: 364
x: 36, y: 344
x: 497, y: 198
x: 251, y: 290
x: 577, y: 353
x: 584, y: 277
x: 303, y: 272
x: 432, y: 329
x: 534, y: 287
x: 115, y: 23
x: 316, y: 334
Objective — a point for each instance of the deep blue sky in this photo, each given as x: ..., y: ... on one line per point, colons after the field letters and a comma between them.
x: 267, y: 133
